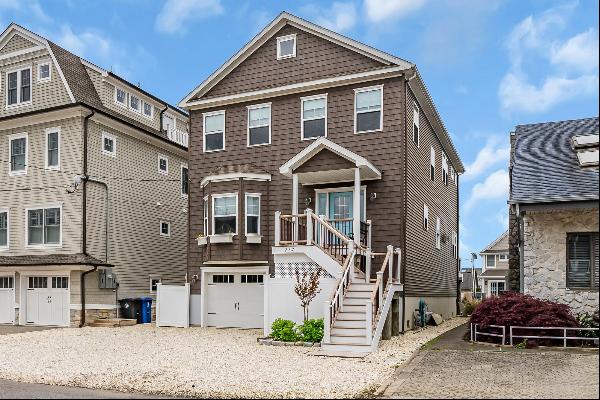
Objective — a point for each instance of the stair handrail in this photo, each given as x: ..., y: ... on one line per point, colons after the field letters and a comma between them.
x: 335, y: 303
x: 380, y: 284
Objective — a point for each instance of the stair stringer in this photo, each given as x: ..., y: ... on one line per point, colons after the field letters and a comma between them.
x: 387, y: 304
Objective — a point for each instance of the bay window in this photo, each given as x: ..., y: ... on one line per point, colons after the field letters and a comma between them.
x: 252, y: 214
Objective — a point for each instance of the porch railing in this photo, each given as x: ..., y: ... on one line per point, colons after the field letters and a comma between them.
x: 335, y: 304
x: 387, y: 274
x: 178, y: 136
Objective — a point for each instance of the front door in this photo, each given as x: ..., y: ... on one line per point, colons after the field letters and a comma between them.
x: 338, y: 207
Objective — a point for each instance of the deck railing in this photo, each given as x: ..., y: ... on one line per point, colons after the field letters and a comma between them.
x: 178, y: 136
x: 387, y: 274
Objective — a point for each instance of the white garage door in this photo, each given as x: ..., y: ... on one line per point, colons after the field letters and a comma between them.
x: 235, y: 300
x: 48, y: 300
x: 7, y: 300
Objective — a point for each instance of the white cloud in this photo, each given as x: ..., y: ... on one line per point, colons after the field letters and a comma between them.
x: 31, y: 8
x: 84, y: 43
x: 502, y: 217
x: 494, y: 187
x: 516, y: 93
x: 381, y: 10
x: 339, y: 18
x: 579, y: 52
x: 492, y: 153
x: 176, y: 13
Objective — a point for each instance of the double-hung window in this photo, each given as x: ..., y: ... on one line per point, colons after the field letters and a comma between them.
x: 368, y: 109
x: 286, y: 46
x: 163, y: 165
x: 582, y: 261
x: 17, y: 147
x: 314, y: 117
x: 185, y: 184
x: 147, y: 109
x: 252, y: 214
x: 490, y: 261
x: 109, y: 144
x: 425, y: 217
x: 416, y: 123
x: 3, y: 229
x: 120, y: 97
x: 205, y: 222
x: 444, y: 169
x: 134, y: 103
x: 259, y: 125
x: 18, y: 88
x: 165, y: 228
x: 53, y: 148
x: 438, y: 233
x: 432, y: 168
x: 214, y: 131
x: 225, y: 214
x: 43, y: 226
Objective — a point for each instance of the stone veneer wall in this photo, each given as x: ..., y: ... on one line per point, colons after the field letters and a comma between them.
x: 90, y: 316
x: 545, y: 244
x: 514, y: 261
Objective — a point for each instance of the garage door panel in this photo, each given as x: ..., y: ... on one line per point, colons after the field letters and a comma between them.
x: 48, y: 300
x: 234, y: 301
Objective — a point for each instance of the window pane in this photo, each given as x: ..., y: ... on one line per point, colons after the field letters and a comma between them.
x: 148, y: 109
x: 134, y: 102
x: 225, y: 206
x: 17, y: 150
x: 215, y: 123
x: 225, y: 225
x: 259, y: 135
x: 3, y: 229
x: 370, y: 100
x: 184, y: 181
x: 368, y: 121
x: 25, y: 85
x: 314, y: 128
x: 286, y: 47
x: 490, y: 261
x: 35, y: 222
x: 252, y: 224
x: 121, y: 96
x: 579, y: 263
x: 162, y: 164
x: 214, y: 141
x: 44, y: 71
x: 314, y: 108
x: 252, y: 205
x: 12, y: 88
x: 108, y: 144
x: 259, y: 116
x: 53, y: 149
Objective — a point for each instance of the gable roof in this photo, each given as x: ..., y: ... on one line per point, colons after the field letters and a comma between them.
x: 498, y: 245
x: 270, y: 30
x: 544, y: 165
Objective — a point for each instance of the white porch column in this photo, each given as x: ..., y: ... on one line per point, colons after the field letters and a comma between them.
x: 356, y: 207
x: 295, y: 206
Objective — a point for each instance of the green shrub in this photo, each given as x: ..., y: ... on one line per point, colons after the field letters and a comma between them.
x: 469, y: 305
x: 588, y: 320
x: 312, y: 330
x: 284, y: 330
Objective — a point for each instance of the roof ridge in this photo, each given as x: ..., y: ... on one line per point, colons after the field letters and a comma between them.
x: 558, y: 122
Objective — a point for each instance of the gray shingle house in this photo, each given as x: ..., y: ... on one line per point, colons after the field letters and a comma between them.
x: 554, y: 212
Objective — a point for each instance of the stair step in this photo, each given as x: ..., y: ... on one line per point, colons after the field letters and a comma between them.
x: 337, y: 348
x: 355, y: 301
x: 349, y: 323
x: 348, y: 339
x: 354, y: 308
x: 361, y: 287
x: 356, y: 294
x: 349, y: 332
x: 351, y: 316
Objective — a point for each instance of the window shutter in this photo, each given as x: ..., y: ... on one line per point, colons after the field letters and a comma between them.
x: 579, y: 274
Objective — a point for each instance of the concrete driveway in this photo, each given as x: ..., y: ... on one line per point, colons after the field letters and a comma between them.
x: 449, y: 367
x: 13, y: 329
x: 20, y: 390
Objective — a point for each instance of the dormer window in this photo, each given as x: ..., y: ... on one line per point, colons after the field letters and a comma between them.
x: 134, y: 103
x: 120, y: 97
x: 286, y: 47
x: 18, y: 87
x: 147, y: 110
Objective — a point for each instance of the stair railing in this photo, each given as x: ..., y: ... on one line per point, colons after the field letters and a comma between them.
x: 336, y: 304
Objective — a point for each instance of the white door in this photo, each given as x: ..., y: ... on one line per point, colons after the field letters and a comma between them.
x: 48, y: 300
x: 7, y: 300
x: 235, y: 300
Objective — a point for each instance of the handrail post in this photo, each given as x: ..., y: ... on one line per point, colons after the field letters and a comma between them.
x: 277, y: 227
x: 351, y: 267
x: 327, y: 322
x: 475, y: 332
x: 369, y: 321
x: 309, y: 226
x: 380, y: 280
x: 369, y: 234
x: 390, y: 250
x: 368, y: 265
x: 398, y: 264
x: 511, y: 335
x: 565, y: 336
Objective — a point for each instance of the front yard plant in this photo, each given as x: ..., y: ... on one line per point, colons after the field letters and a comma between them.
x: 285, y: 330
x: 312, y: 330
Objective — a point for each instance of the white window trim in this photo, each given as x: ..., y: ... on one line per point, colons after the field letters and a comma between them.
x: 154, y: 278
x: 170, y: 116
x: 363, y: 190
x: 495, y: 281
x: 432, y: 164
x: 438, y: 233
x: 283, y: 39
x: 502, y: 257
x: 47, y: 132
x: 205, y: 216
x: 369, y: 89
x: 43, y: 246
x: 417, y: 122
x: 184, y: 195
x: 204, y: 130
x: 425, y: 217
x: 7, y: 246
x: 139, y: 111
x: 237, y: 212
x: 256, y: 107
x: 246, y: 215
x: 445, y: 177
x: 10, y: 139
x: 126, y: 104
x: 106, y: 135
x: 162, y: 221
x: 19, y: 103
x: 163, y: 157
x: 302, y: 100
x: 39, y: 67
x: 495, y: 261
x: 455, y: 244
x: 151, y: 116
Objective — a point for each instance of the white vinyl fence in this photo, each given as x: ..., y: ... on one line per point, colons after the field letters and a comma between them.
x: 173, y: 305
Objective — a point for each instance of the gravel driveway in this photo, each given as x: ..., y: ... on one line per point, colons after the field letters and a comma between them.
x: 200, y: 362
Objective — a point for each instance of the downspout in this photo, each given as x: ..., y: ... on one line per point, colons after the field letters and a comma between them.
x: 160, y: 117
x: 84, y: 215
x: 458, y: 247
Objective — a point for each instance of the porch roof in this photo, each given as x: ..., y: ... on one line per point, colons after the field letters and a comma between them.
x: 344, y: 173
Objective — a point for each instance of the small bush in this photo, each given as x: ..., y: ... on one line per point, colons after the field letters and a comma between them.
x: 588, y: 320
x: 312, y: 330
x: 469, y: 305
x: 284, y: 330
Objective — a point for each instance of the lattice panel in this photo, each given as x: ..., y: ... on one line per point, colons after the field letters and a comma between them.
x: 288, y: 270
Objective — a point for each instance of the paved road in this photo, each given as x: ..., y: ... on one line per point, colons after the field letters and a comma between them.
x: 18, y: 390
x: 453, y: 368
x: 12, y: 329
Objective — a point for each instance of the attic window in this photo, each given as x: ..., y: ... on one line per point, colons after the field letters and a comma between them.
x: 286, y: 47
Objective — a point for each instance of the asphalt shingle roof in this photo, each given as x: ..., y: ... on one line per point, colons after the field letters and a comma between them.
x: 51, y: 259
x: 545, y: 166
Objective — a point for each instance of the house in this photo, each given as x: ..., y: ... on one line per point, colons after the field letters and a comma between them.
x: 553, y: 241
x: 470, y: 283
x: 94, y: 186
x: 494, y: 270
x: 312, y: 153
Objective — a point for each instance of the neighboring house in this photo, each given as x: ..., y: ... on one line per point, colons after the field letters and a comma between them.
x: 470, y: 283
x: 495, y: 266
x: 311, y: 151
x: 554, y: 212
x: 62, y: 117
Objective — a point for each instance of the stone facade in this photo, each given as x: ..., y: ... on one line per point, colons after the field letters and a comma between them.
x: 514, y: 260
x: 545, y: 238
x: 90, y: 316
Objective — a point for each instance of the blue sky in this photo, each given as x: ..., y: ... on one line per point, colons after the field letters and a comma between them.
x: 489, y: 65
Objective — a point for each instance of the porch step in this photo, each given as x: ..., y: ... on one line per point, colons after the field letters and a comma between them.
x: 355, y: 294
x: 345, y: 323
x: 351, y: 316
x: 112, y: 322
x: 355, y: 301
x: 354, y: 308
x: 348, y: 339
x: 361, y: 287
x: 336, y: 349
x: 360, y: 331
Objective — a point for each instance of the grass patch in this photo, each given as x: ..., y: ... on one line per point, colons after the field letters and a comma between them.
x: 431, y: 343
